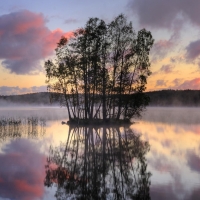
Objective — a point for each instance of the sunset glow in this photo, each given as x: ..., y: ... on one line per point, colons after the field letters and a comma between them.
x: 29, y: 33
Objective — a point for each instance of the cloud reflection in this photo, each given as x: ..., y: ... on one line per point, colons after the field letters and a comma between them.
x: 193, y: 161
x: 21, y: 171
x: 174, y: 157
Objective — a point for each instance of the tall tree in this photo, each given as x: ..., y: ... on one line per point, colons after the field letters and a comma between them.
x: 102, y: 71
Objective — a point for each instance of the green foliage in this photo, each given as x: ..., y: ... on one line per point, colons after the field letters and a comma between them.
x: 98, y: 67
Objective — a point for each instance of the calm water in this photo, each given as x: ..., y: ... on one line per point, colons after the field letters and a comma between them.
x: 158, y: 157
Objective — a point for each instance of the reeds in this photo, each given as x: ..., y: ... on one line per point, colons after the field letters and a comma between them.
x: 31, y: 127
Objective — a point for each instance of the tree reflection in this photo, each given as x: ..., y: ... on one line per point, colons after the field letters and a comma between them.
x: 99, y: 163
x: 31, y: 127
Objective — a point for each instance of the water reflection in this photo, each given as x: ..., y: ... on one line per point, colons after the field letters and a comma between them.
x: 31, y: 127
x: 174, y: 159
x: 99, y: 163
x: 22, y: 163
x: 22, y: 170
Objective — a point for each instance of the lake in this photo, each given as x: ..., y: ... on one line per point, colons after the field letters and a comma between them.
x: 157, y: 157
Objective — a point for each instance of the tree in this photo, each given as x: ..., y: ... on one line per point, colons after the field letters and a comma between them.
x: 100, y: 73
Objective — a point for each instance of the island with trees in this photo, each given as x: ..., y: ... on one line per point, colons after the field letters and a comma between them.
x: 100, y: 73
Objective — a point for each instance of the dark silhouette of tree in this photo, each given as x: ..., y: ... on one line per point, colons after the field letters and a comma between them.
x: 99, y: 163
x: 101, y: 72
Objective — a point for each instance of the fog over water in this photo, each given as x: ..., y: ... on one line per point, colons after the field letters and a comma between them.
x: 48, y: 113
x: 173, y: 159
x: 174, y: 115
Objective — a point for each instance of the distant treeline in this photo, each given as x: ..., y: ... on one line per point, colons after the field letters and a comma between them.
x: 41, y: 98
x: 157, y: 98
x: 174, y: 98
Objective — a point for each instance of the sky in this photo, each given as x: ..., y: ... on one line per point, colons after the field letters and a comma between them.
x: 30, y: 30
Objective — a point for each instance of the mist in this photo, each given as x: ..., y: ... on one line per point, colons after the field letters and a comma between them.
x: 172, y: 115
x: 45, y: 112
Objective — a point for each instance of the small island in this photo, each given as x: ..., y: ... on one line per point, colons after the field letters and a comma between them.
x: 100, y: 73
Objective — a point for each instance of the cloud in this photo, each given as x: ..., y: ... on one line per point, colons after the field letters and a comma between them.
x: 167, y: 69
x: 177, y: 82
x: 177, y: 59
x: 5, y: 90
x: 22, y: 171
x: 162, y: 13
x: 193, y: 84
x: 161, y: 83
x: 71, y: 21
x: 25, y: 41
x: 193, y: 50
x: 161, y: 48
x: 171, y: 15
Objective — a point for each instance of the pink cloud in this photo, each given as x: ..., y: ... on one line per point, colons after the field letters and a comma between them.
x: 22, y: 171
x: 52, y: 40
x: 190, y: 84
x: 32, y: 190
x: 25, y: 41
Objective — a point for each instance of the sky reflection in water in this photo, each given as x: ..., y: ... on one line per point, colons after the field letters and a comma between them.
x: 173, y: 159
